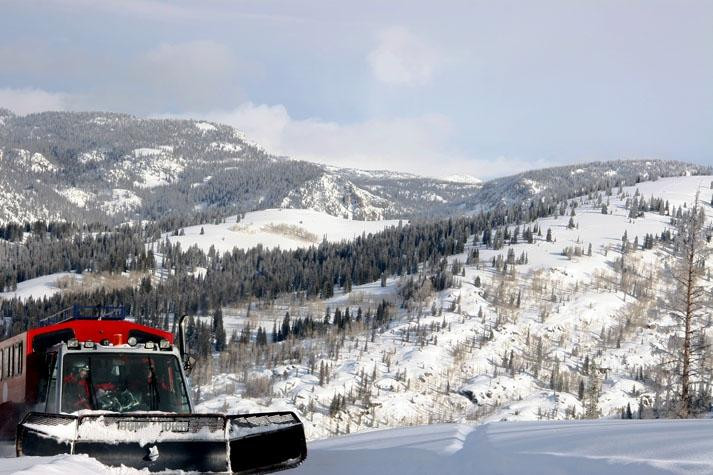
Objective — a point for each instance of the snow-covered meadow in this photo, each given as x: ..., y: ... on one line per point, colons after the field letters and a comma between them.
x: 41, y: 287
x: 279, y: 227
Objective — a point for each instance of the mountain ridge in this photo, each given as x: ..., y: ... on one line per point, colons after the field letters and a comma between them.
x: 113, y: 167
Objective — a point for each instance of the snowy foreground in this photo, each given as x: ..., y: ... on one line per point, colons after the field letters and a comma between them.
x: 582, y: 447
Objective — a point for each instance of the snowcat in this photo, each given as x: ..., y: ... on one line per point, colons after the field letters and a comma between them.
x: 89, y: 381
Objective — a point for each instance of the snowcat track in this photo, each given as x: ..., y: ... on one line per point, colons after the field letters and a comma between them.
x: 243, y: 443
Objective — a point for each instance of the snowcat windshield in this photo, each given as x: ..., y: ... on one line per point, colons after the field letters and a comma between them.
x: 122, y: 382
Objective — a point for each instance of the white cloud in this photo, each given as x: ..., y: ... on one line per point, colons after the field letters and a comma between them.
x: 421, y: 144
x: 28, y: 100
x: 402, y: 58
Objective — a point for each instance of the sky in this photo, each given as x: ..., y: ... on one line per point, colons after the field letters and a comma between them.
x: 483, y: 88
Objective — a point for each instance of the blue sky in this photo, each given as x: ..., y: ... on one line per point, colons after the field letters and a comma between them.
x: 480, y: 88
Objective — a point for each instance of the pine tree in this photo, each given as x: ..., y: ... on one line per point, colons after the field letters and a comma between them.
x: 592, y: 403
x: 218, y: 329
x: 285, y: 327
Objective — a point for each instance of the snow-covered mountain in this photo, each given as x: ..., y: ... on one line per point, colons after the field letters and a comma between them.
x: 113, y: 167
x: 570, y: 181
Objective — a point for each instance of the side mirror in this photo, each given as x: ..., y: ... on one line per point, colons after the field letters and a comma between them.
x: 182, y: 336
x: 189, y: 363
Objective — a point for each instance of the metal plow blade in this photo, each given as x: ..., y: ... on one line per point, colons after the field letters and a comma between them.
x: 266, y: 442
x: 158, y: 442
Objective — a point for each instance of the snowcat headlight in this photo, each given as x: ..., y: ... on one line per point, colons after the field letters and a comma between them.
x: 149, y: 345
x: 89, y: 344
x: 73, y: 344
x: 164, y: 345
x: 105, y: 342
x: 132, y: 341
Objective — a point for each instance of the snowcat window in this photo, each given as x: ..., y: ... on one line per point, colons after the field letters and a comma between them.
x: 121, y: 382
x: 52, y: 386
x: 46, y: 370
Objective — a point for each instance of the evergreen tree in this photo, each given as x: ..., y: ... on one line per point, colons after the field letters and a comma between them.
x: 218, y: 329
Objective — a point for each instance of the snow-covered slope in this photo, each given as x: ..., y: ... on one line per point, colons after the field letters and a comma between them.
x: 284, y: 228
x: 338, y: 197
x: 534, y: 448
x: 39, y: 287
x: 470, y: 353
x: 592, y: 447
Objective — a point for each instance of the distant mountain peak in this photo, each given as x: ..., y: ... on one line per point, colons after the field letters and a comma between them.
x: 462, y: 178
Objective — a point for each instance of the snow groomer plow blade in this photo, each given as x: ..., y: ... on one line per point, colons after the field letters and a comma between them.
x: 247, y: 443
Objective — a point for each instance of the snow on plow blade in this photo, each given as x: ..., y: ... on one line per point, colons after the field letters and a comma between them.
x: 194, y: 442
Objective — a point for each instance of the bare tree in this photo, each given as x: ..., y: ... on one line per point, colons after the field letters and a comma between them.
x: 688, y: 300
